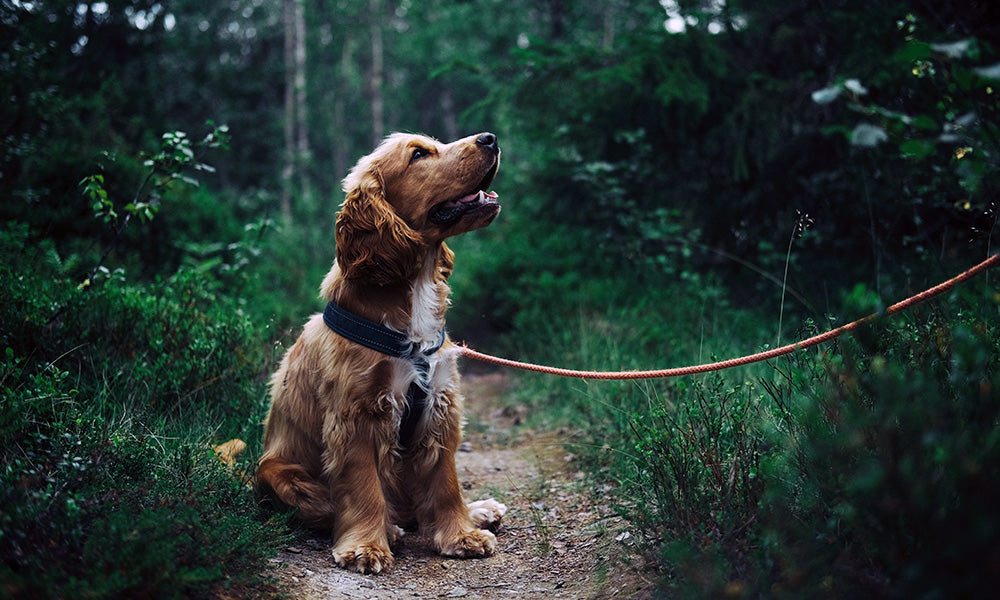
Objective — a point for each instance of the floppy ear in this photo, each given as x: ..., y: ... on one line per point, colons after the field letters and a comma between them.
x: 373, y: 243
x: 445, y: 263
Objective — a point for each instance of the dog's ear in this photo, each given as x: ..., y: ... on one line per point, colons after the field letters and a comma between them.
x: 373, y: 243
x: 445, y: 262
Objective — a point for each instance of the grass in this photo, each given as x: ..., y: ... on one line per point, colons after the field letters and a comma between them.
x: 805, y: 477
x: 112, y: 396
x: 865, y: 468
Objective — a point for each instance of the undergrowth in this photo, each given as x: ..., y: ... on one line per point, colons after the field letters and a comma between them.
x: 864, y: 468
x: 112, y: 396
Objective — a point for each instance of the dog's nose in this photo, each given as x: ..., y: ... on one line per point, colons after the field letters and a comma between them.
x: 489, y: 140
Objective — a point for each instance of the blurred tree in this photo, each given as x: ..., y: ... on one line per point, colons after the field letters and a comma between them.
x: 296, y: 130
x: 650, y: 127
x: 375, y: 74
x: 700, y: 119
x: 93, y: 85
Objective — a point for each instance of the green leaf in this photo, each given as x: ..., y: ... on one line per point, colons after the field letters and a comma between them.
x: 866, y: 135
x: 990, y: 72
x: 913, y: 51
x: 954, y: 49
x: 916, y: 149
x: 925, y: 122
x: 826, y: 95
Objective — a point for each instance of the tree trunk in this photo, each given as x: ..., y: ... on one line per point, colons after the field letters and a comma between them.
x: 376, y: 75
x: 340, y: 138
x: 609, y: 26
x: 296, y: 156
x: 557, y: 20
x: 288, y: 169
x: 448, y: 115
x: 302, y: 153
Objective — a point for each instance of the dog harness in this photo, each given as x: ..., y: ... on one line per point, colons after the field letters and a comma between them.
x: 392, y: 343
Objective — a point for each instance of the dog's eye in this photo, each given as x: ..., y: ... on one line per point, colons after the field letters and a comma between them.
x: 419, y: 153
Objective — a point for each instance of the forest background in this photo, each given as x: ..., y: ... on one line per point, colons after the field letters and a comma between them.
x: 681, y: 181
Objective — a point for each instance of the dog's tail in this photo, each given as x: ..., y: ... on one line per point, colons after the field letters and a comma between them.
x: 285, y: 485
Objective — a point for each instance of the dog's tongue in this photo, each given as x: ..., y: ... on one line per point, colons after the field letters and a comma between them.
x: 479, y: 196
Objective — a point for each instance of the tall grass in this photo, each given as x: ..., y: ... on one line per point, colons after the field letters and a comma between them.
x: 865, y: 468
x: 112, y: 395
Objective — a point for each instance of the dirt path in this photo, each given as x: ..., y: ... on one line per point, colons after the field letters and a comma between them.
x: 556, y: 541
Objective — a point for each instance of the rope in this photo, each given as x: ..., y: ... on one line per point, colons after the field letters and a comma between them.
x: 744, y: 360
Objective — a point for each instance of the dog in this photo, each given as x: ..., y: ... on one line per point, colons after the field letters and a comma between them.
x: 366, y: 413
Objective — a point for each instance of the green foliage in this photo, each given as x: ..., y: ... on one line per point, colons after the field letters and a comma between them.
x: 111, y: 397
x: 696, y: 465
x: 650, y: 184
x: 936, y: 103
x: 866, y: 469
x: 886, y: 481
x: 104, y: 511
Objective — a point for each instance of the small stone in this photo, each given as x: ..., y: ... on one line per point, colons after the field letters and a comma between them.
x: 293, y: 550
x: 457, y: 592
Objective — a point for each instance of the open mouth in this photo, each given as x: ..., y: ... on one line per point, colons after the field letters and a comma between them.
x: 450, y: 211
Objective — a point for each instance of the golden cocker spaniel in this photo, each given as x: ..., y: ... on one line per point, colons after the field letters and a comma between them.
x: 366, y: 413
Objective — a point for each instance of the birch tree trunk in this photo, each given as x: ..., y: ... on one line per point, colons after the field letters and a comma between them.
x: 448, y: 116
x: 302, y: 151
x: 340, y: 146
x: 376, y: 75
x: 296, y: 155
x: 288, y: 168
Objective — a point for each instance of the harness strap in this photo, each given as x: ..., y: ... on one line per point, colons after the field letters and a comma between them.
x: 392, y: 343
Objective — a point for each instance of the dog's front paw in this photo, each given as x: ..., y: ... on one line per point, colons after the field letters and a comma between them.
x: 486, y: 514
x: 474, y: 543
x: 363, y: 558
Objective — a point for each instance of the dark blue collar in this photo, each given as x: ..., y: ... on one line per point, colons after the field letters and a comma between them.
x: 392, y: 343
x: 375, y: 335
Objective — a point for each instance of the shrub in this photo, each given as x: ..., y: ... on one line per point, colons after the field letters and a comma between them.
x: 888, y: 485
x: 866, y: 470
x: 111, y: 396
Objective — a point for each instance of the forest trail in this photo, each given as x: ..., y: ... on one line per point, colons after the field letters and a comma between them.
x: 556, y: 541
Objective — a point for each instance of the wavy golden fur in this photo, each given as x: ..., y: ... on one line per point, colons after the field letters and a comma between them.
x: 331, y: 446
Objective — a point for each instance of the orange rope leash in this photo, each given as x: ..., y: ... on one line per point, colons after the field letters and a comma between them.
x: 744, y: 360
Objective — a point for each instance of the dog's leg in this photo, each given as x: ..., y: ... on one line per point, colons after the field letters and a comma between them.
x: 442, y: 507
x: 363, y: 530
x: 438, y: 495
x: 293, y: 486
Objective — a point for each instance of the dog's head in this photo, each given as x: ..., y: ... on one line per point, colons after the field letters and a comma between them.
x: 410, y: 193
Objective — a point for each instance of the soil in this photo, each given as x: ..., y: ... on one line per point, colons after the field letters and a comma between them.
x: 556, y: 541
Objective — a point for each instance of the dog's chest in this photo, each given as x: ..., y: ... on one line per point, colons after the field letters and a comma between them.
x: 427, y: 300
x: 434, y: 376
x: 431, y: 372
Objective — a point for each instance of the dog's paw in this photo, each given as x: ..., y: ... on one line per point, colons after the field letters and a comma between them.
x: 393, y: 533
x: 486, y: 514
x: 474, y: 543
x: 364, y: 558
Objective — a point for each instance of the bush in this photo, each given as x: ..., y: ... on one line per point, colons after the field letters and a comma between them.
x: 888, y: 485
x: 866, y: 470
x: 112, y: 395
